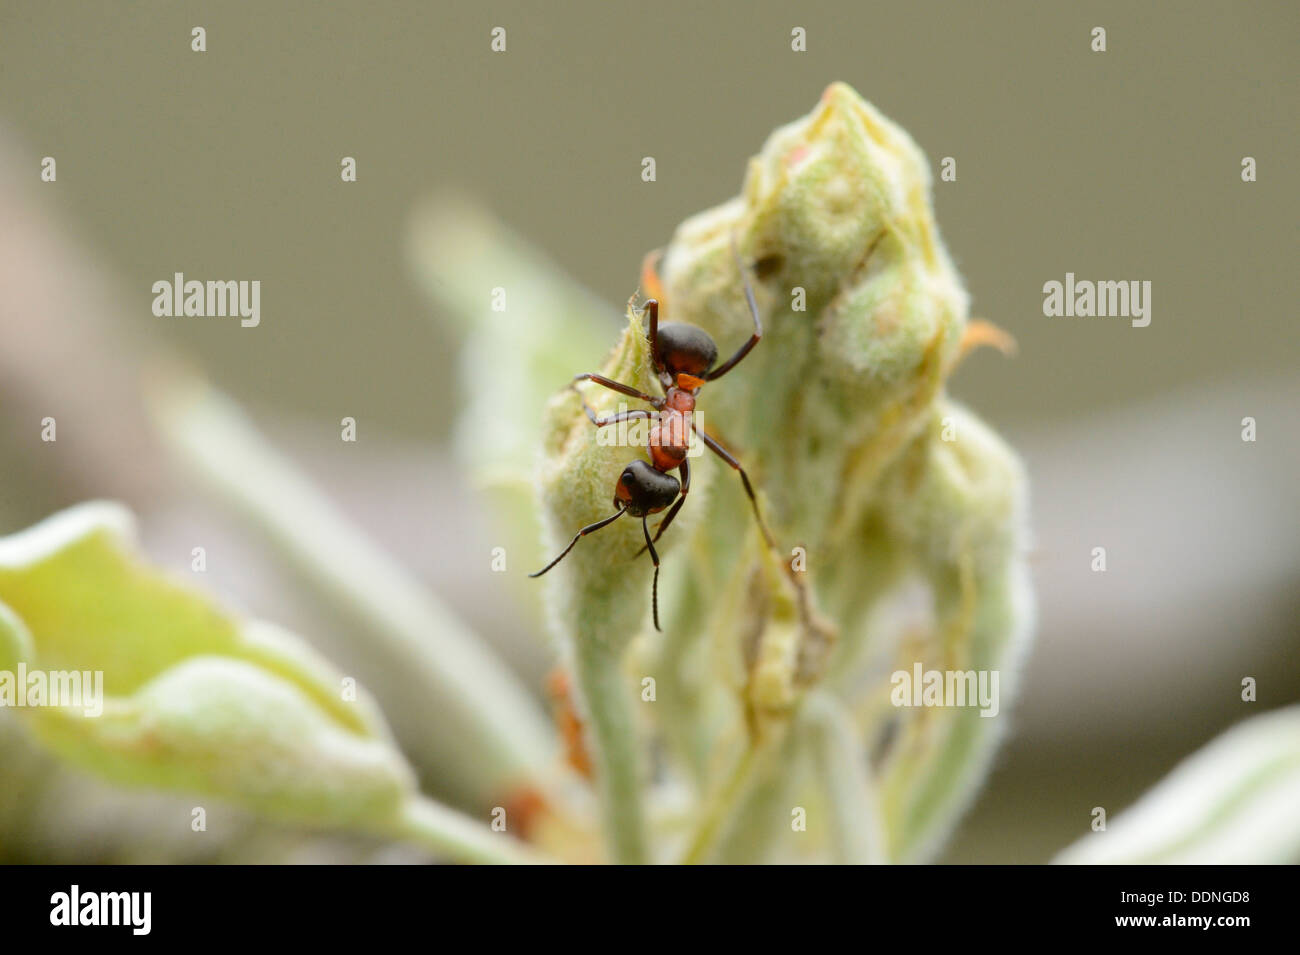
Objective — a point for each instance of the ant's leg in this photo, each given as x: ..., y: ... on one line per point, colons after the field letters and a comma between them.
x: 723, y: 453
x: 745, y: 349
x: 615, y: 418
x: 654, y: 588
x: 577, y: 537
x: 677, y: 505
x: 652, y: 306
x: 619, y: 387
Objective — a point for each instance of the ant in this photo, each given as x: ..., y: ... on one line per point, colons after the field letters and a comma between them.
x: 683, y: 357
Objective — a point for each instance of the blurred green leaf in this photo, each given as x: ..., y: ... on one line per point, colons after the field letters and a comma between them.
x: 195, y: 699
x: 511, y: 360
x: 1234, y: 802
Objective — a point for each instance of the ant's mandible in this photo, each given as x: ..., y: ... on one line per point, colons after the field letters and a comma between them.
x: 683, y: 357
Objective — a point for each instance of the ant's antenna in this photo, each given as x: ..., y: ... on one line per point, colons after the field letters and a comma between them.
x: 745, y: 349
x: 744, y: 278
x: 579, y: 536
x: 654, y: 588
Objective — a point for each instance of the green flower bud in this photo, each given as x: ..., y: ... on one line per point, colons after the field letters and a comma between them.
x: 956, y: 510
x: 863, y: 310
x: 840, y: 418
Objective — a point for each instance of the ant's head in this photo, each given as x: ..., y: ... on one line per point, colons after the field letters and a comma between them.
x: 642, y: 490
x: 687, y: 353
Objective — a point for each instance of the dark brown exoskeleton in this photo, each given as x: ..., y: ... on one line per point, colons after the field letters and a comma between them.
x: 683, y: 357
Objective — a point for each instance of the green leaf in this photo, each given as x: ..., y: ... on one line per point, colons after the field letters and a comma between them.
x: 198, y: 700
x: 194, y: 698
x: 15, y: 641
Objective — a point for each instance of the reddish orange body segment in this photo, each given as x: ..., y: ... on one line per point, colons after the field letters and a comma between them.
x: 678, y: 400
x: 670, y: 436
x: 670, y: 439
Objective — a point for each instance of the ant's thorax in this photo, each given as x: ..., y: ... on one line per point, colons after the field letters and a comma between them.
x: 670, y: 434
x: 679, y: 399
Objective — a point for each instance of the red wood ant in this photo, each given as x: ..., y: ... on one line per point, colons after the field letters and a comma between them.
x: 683, y: 357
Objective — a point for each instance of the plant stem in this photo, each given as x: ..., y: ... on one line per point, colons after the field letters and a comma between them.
x: 720, y: 810
x: 839, y: 756
x: 613, y: 742
x: 455, y: 836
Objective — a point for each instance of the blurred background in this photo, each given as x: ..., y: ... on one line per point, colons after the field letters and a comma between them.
x: 226, y: 165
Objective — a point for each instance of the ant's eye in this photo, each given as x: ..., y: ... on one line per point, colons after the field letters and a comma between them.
x: 627, y: 477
